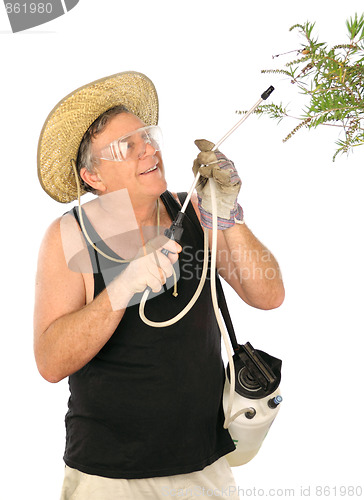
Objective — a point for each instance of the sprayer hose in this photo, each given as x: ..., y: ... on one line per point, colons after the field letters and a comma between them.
x: 159, y: 324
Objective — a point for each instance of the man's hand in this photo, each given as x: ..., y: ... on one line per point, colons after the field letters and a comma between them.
x: 213, y: 164
x: 150, y: 267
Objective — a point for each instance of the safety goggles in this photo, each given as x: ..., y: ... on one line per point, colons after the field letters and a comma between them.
x: 132, y: 146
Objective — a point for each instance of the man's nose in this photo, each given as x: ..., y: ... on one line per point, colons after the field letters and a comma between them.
x: 149, y: 150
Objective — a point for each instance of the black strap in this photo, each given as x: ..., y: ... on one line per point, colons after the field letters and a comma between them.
x: 226, y: 315
x: 190, y: 212
x: 90, y: 230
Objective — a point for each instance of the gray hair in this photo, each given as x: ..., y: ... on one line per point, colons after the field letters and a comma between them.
x: 84, y: 156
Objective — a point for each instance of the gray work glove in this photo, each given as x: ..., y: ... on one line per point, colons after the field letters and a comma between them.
x: 213, y: 164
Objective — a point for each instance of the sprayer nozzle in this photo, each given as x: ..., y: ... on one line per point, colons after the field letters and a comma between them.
x: 267, y: 93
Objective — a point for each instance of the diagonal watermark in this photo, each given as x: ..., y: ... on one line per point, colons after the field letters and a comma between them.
x: 107, y: 240
x: 27, y: 14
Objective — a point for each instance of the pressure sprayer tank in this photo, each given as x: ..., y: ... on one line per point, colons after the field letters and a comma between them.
x: 257, y: 376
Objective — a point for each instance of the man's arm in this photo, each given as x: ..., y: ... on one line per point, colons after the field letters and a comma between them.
x: 248, y: 266
x: 68, y: 332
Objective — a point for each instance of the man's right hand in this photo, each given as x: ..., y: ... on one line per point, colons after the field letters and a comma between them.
x: 150, y: 267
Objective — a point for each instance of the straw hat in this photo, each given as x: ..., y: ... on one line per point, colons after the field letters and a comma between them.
x: 67, y: 123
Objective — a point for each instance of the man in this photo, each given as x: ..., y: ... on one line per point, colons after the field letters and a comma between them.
x: 145, y: 415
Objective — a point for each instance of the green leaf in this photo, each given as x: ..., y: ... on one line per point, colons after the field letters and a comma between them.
x: 331, y: 81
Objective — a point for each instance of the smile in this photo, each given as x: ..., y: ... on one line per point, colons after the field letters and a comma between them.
x: 149, y: 170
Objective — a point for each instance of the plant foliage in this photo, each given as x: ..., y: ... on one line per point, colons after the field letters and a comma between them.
x: 332, y: 80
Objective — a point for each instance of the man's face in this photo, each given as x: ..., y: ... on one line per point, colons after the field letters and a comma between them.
x: 129, y: 174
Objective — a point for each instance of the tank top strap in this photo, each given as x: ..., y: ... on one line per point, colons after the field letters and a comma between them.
x: 93, y: 236
x: 99, y: 264
x: 191, y: 214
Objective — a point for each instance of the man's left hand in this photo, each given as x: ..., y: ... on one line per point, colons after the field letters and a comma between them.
x: 213, y: 164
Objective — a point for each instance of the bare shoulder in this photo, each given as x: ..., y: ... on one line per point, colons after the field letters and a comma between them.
x: 51, y: 242
x: 64, y: 241
x: 52, y: 259
x: 59, y: 290
x: 53, y: 234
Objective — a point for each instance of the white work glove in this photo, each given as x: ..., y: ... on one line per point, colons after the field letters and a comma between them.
x: 150, y: 270
x: 213, y: 164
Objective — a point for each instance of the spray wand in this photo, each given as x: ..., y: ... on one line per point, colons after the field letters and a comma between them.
x: 174, y: 232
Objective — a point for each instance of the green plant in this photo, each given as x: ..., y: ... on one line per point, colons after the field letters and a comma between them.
x: 332, y: 81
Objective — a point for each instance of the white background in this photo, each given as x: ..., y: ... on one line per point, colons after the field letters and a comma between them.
x: 205, y: 59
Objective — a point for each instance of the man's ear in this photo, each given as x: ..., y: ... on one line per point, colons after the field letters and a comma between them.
x: 92, y: 179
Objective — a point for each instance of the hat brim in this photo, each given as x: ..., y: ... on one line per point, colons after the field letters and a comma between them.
x: 67, y: 123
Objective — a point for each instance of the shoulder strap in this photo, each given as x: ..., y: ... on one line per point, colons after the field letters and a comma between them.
x: 190, y: 212
x: 170, y: 203
x: 93, y: 254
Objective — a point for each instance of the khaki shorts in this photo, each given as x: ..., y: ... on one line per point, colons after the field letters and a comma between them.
x: 215, y: 481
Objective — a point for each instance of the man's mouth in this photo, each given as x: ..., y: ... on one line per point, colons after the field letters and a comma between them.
x: 149, y: 170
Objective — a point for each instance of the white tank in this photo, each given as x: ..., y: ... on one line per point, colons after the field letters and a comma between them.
x: 248, y: 433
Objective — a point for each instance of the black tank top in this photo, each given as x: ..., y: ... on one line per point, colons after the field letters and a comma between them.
x: 150, y: 402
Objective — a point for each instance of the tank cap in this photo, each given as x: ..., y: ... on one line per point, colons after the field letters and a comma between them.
x: 274, y: 402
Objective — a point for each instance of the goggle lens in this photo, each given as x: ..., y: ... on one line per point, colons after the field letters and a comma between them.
x: 133, y: 145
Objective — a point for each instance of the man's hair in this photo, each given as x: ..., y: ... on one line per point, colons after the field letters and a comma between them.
x: 84, y: 156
